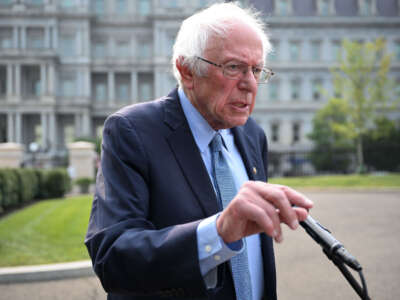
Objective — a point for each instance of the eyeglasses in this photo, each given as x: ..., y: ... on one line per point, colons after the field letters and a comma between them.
x: 236, y: 70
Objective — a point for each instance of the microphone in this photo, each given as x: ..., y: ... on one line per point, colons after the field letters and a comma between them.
x: 329, y: 244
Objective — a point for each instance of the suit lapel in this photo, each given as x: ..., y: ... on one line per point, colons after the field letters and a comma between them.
x: 188, y: 156
x: 248, y: 152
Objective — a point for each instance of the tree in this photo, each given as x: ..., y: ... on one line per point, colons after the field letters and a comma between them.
x: 331, y: 137
x: 382, y: 145
x: 361, y: 80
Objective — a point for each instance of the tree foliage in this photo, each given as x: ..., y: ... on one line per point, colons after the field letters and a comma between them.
x: 332, y: 137
x: 382, y: 146
x: 362, y: 92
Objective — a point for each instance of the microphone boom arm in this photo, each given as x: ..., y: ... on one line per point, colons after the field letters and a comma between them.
x: 335, y: 251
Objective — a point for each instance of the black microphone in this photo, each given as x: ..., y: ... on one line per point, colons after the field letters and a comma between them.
x: 329, y: 244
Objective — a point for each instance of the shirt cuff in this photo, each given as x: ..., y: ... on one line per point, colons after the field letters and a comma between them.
x: 212, y: 250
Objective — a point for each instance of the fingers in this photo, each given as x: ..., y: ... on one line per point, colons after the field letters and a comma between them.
x: 283, y: 199
x: 296, y: 198
x: 262, y: 207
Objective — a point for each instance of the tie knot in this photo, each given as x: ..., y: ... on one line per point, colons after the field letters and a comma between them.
x: 216, y: 143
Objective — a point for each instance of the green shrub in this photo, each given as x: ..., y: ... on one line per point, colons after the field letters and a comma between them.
x: 41, y: 184
x: 9, y: 188
x: 84, y: 184
x: 28, y: 182
x: 56, y: 183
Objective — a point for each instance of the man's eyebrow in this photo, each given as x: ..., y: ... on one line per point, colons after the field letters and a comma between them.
x: 238, y: 61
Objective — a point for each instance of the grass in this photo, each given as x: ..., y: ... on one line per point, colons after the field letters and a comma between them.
x: 341, y: 181
x: 46, y: 232
x: 53, y: 230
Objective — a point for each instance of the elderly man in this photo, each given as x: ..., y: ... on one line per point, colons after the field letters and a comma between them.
x: 182, y: 209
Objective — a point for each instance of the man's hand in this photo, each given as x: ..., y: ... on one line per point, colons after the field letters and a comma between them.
x: 262, y: 207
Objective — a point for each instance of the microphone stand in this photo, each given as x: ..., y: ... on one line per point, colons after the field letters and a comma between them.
x: 332, y: 254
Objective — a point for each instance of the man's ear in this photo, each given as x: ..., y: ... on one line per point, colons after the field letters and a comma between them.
x: 186, y: 73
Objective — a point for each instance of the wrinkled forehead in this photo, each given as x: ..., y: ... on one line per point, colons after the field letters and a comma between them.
x: 239, y: 42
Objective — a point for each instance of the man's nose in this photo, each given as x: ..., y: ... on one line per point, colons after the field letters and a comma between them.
x: 248, y: 76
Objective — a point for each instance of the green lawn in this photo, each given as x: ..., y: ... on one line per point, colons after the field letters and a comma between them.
x: 342, y: 181
x: 46, y: 232
x: 53, y: 231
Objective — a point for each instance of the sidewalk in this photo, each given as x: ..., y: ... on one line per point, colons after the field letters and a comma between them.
x: 46, y: 272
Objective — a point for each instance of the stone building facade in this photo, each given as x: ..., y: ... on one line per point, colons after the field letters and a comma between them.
x: 65, y: 65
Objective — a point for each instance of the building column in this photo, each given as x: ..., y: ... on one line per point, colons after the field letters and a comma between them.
x: 17, y: 81
x: 43, y: 81
x: 23, y: 37
x: 79, y: 46
x: 10, y: 127
x: 43, y: 121
x: 134, y: 87
x: 286, y: 132
x: 18, y: 127
x: 51, y: 79
x: 86, y: 126
x: 15, y: 37
x: 111, y: 98
x: 47, y: 37
x: 52, y: 132
x: 9, y: 80
x: 55, y: 37
x: 87, y: 85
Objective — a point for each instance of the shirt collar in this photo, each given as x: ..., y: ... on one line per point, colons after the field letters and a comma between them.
x: 202, y: 132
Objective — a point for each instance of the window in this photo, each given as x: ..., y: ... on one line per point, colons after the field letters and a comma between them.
x: 365, y: 7
x: 294, y: 48
x: 121, y: 7
x: 144, y: 7
x: 295, y: 133
x: 30, y: 80
x: 145, y: 82
x: 275, y: 132
x: 122, y: 87
x: 67, y: 45
x: 273, y: 90
x: 35, y: 2
x: 6, y: 37
x: 324, y: 8
x: 335, y: 50
x: 170, y: 4
x: 69, y: 134
x: 3, y: 81
x: 316, y: 89
x: 144, y: 49
x: 68, y: 3
x: 122, y: 49
x: 203, y: 3
x: 170, y: 42
x: 397, y: 88
x: 99, y: 49
x: 35, y: 38
x: 295, y: 89
x: 273, y: 55
x: 282, y: 7
x: 68, y: 84
x: 38, y: 133
x: 98, y: 7
x: 316, y: 50
x: 397, y: 51
x: 99, y: 87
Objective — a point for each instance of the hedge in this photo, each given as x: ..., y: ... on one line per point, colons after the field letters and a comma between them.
x: 20, y: 186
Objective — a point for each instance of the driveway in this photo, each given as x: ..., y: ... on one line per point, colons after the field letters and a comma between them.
x: 367, y: 223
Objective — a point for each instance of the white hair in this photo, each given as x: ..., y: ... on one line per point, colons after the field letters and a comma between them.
x: 215, y: 20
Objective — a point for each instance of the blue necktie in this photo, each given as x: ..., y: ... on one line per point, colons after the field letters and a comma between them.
x: 226, y: 190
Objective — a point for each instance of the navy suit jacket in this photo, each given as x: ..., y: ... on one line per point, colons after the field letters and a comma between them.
x: 152, y: 190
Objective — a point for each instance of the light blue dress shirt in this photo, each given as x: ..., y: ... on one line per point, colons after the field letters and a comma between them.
x: 211, y: 248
